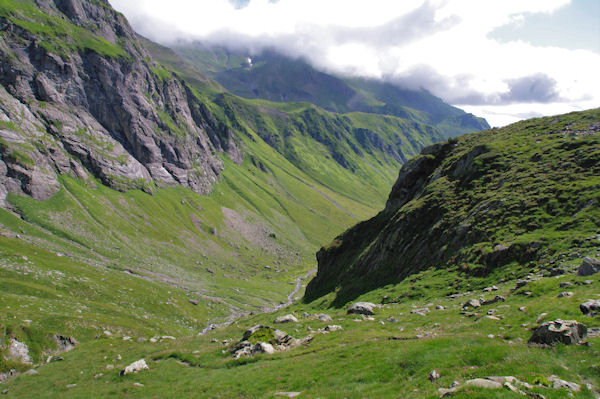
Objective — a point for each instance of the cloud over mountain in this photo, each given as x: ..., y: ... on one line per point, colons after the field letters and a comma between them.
x: 442, y: 46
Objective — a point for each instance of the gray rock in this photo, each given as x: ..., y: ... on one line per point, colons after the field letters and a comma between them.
x: 590, y: 306
x: 18, y: 352
x: 433, y: 375
x: 420, y: 312
x: 565, y: 294
x: 472, y: 303
x: 492, y: 288
x: 559, y: 331
x: 557, y: 383
x: 588, y: 267
x: 333, y: 328
x: 324, y: 317
x: 565, y: 284
x: 263, y: 347
x: 64, y: 343
x: 365, y: 308
x: 134, y: 367
x: 288, y: 318
x: 497, y: 298
x: 484, y: 383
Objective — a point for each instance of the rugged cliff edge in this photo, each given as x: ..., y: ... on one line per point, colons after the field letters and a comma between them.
x: 526, y: 193
x: 79, y: 94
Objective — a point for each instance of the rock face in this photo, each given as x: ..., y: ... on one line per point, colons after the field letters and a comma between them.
x: 588, y: 267
x: 98, y: 106
x: 559, y: 331
x: 18, y: 352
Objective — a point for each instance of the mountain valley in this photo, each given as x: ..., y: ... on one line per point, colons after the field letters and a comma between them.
x: 161, y: 208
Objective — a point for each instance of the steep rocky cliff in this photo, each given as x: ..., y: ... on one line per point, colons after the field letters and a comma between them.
x: 79, y: 94
x: 527, y: 193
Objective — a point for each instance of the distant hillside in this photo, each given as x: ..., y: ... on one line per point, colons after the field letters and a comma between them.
x: 274, y: 77
x: 526, y: 193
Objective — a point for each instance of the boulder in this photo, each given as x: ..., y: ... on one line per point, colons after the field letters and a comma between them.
x: 288, y: 318
x: 472, y: 303
x: 64, y: 343
x: 497, y: 298
x: 324, y: 317
x: 333, y: 328
x: 134, y: 367
x: 565, y: 294
x: 588, y: 267
x: 557, y: 383
x: 18, y: 352
x: 484, y: 383
x: 590, y: 306
x: 559, y: 331
x: 365, y: 308
x: 263, y: 347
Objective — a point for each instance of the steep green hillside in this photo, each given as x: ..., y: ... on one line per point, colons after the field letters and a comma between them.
x: 83, y: 251
x: 274, y: 77
x: 526, y: 194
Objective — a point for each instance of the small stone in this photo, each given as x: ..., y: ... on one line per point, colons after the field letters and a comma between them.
x: 492, y: 288
x: 107, y: 333
x: 288, y: 394
x: 71, y: 385
x: 433, y: 375
x: 324, y: 317
x: 541, y: 317
x: 565, y: 294
x: 289, y: 318
x: 137, y: 384
x: 440, y: 307
x: 99, y: 375
x: 522, y: 309
x: 134, y: 367
x: 565, y: 284
x: 31, y: 372
x: 193, y: 302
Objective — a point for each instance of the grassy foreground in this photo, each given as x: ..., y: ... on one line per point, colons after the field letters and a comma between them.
x: 388, y: 357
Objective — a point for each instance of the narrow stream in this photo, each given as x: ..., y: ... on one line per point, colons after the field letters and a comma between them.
x: 236, y: 315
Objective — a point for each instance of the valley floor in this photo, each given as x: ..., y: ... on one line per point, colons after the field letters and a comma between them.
x: 387, y: 356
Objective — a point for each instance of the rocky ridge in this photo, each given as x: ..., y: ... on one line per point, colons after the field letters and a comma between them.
x: 96, y: 103
x: 477, y: 203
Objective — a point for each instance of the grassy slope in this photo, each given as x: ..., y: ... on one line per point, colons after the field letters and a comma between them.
x: 532, y: 187
x: 360, y: 361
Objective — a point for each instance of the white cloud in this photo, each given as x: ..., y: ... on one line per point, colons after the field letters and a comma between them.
x: 440, y: 45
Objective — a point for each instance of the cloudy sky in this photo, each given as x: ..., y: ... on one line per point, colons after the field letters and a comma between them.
x: 504, y: 60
